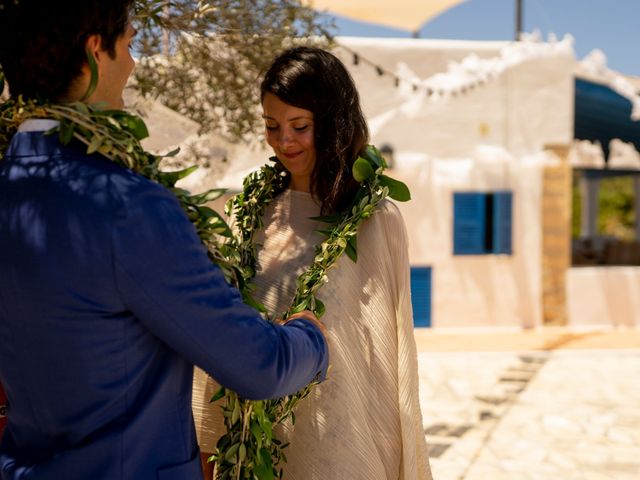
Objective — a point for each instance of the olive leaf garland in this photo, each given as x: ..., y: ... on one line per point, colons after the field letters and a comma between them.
x: 116, y: 134
x: 249, y: 449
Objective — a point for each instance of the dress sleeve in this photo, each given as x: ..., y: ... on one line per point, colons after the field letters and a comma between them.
x: 167, y: 281
x: 414, y: 464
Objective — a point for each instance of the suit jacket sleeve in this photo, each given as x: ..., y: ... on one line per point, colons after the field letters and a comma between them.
x: 167, y: 280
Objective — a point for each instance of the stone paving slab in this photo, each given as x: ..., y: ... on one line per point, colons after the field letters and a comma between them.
x: 560, y: 414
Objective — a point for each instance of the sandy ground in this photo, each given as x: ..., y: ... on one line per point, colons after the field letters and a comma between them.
x: 546, y: 339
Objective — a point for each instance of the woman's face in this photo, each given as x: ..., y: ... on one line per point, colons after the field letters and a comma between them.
x: 289, y: 132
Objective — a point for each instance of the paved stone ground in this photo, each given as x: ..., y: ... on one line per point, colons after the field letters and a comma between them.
x: 544, y: 413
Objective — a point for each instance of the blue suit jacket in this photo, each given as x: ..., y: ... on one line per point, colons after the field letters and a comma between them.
x: 107, y: 299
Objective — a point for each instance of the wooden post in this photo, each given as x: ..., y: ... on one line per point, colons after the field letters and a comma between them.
x: 556, y: 236
x: 518, y: 19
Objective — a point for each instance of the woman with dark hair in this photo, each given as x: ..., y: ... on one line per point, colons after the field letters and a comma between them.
x: 364, y: 421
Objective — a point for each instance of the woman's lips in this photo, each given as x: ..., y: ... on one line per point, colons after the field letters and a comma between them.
x: 291, y: 155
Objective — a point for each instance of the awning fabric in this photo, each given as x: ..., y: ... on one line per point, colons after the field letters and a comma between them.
x: 405, y: 14
x: 601, y: 115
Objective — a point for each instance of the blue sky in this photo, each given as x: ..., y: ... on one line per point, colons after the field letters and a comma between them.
x: 612, y: 26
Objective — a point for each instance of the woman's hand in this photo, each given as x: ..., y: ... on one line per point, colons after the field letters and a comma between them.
x: 307, y: 315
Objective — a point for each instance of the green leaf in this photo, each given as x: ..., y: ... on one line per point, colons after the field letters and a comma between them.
x: 136, y: 126
x: 351, y: 249
x: 230, y: 456
x: 218, y: 395
x: 372, y: 154
x: 235, y: 416
x: 258, y: 407
x: 66, y: 132
x: 132, y: 123
x: 95, y: 144
x: 397, y: 190
x: 256, y: 431
x: 223, y: 442
x: 362, y: 170
x: 300, y: 307
x: 172, y: 153
x: 266, y: 427
x: 208, y: 196
x: 264, y: 467
x: 319, y: 309
x: 326, y: 232
x: 180, y: 192
x: 93, y: 69
x: 172, y: 177
x: 249, y: 300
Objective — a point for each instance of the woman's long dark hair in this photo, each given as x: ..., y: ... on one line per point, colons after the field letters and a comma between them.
x: 315, y: 80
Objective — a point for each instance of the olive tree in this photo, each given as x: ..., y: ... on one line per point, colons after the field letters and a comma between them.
x: 204, y: 59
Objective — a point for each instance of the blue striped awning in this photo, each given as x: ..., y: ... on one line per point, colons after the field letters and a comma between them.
x: 601, y: 115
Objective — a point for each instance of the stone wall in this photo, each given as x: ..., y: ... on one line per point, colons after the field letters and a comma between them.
x: 556, y: 237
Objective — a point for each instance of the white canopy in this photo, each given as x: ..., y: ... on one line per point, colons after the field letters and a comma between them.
x: 405, y: 14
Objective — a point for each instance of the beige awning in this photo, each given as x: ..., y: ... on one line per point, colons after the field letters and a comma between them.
x: 406, y: 14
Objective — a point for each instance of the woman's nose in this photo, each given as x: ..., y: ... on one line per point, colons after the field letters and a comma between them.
x: 285, y: 139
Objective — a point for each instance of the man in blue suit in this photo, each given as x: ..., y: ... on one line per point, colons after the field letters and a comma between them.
x: 107, y: 296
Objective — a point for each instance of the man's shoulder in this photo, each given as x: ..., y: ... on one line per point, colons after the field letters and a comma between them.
x: 92, y: 175
x: 38, y: 147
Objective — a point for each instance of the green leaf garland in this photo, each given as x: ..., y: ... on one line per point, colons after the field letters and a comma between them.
x: 253, y: 426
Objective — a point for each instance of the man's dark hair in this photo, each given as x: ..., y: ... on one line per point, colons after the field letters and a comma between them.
x: 315, y: 80
x: 42, y: 42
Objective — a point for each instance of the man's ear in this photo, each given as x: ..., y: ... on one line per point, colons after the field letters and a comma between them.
x: 91, y: 68
x: 93, y: 47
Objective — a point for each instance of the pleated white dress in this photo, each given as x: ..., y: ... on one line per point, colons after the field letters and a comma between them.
x: 364, y: 421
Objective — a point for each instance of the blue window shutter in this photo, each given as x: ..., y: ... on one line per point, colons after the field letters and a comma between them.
x: 502, y: 222
x: 421, y: 296
x: 469, y: 223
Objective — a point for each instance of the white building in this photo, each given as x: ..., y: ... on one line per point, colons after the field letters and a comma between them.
x: 483, y: 133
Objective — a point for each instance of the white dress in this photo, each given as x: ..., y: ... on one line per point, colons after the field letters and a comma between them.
x: 364, y: 421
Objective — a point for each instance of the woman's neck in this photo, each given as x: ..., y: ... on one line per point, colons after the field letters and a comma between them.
x: 300, y: 184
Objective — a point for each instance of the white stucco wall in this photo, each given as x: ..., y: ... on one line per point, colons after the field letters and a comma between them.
x: 479, y: 290
x: 521, y: 109
x: 489, y: 138
x: 599, y: 296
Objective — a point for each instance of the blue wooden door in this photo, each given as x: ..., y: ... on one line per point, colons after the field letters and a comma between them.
x: 421, y: 296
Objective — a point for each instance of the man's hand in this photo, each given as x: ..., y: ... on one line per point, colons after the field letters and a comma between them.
x: 307, y: 315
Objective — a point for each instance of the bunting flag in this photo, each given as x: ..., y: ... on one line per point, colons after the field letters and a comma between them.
x: 472, y: 72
